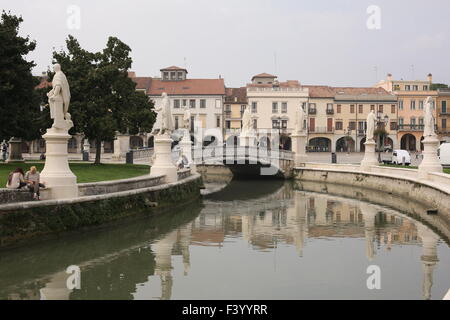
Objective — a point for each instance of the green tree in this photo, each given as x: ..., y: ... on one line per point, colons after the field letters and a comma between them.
x: 19, y: 102
x: 436, y: 86
x: 104, y: 99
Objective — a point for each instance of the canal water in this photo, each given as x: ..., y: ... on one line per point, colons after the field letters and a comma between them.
x: 250, y: 240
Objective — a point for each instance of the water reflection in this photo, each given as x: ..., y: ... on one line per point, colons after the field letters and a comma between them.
x: 280, y: 243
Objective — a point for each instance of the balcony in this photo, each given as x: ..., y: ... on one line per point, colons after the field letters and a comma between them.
x: 330, y: 111
x: 410, y: 127
x: 321, y: 130
x: 312, y: 111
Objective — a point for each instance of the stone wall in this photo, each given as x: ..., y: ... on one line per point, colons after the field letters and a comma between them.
x: 104, y: 187
x: 12, y: 196
x: 24, y: 221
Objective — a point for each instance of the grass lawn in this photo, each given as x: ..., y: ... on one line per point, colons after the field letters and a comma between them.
x: 446, y: 170
x: 85, y: 172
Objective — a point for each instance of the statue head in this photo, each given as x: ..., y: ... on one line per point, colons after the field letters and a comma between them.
x: 429, y: 100
x: 56, y: 67
x: 164, y: 95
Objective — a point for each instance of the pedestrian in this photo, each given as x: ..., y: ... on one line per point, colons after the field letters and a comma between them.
x: 33, y: 180
x: 16, y: 179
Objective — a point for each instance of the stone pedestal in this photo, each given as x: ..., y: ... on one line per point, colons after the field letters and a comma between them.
x: 86, y: 150
x: 121, y: 146
x: 57, y: 176
x: 370, y: 157
x: 247, y: 140
x: 430, y: 162
x: 15, y: 150
x: 186, y: 147
x: 162, y: 163
x: 299, y: 148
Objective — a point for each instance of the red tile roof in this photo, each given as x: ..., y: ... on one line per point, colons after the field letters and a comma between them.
x: 287, y: 84
x: 331, y: 92
x: 187, y: 87
x: 264, y: 75
x: 143, y: 83
x: 239, y: 93
x: 173, y: 68
x: 44, y: 83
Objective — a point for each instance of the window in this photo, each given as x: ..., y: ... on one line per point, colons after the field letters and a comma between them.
x: 284, y: 124
x: 284, y: 107
x: 415, y: 88
x: 254, y: 107
x: 203, y: 103
x: 166, y: 76
x: 413, y: 121
x: 329, y: 108
x: 380, y: 108
x: 176, y: 123
x: 421, y: 121
x: 400, y: 104
x: 338, y: 108
x: 444, y: 123
x: 192, y: 103
x: 360, y: 108
x: 255, y: 124
x: 372, y: 107
x: 425, y: 88
x: 396, y: 87
x: 274, y: 107
x: 176, y: 103
x: 352, y: 108
x: 228, y: 124
x: 338, y: 125
x: 444, y: 106
x: 400, y: 121
x: 413, y: 105
x: 243, y: 108
x: 192, y: 122
x: 352, y: 125
x: 275, y: 124
x: 393, y: 108
x: 227, y: 108
x: 420, y: 105
x: 172, y: 75
x: 218, y: 121
x: 180, y: 76
x: 408, y: 88
x: 393, y: 125
x: 184, y: 102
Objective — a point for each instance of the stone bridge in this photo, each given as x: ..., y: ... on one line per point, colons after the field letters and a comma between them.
x: 256, y: 162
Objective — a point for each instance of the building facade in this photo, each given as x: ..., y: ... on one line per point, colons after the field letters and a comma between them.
x: 443, y: 114
x: 234, y: 107
x: 411, y: 95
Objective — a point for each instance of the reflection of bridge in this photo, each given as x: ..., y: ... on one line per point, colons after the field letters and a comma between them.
x: 247, y: 161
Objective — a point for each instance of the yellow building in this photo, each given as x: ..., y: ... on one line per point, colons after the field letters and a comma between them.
x: 443, y: 114
x: 411, y: 96
x: 235, y: 104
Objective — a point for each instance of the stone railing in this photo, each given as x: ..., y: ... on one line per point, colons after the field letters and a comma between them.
x: 184, y: 173
x: 143, y: 153
x: 14, y: 195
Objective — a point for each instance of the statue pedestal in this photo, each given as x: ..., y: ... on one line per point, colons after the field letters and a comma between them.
x: 430, y: 162
x: 162, y: 164
x: 247, y: 140
x: 121, y: 147
x: 370, y: 158
x: 186, y: 147
x: 57, y: 176
x: 15, y: 150
x: 299, y: 148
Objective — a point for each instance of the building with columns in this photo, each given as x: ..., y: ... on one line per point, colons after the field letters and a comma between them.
x: 411, y: 96
x: 443, y: 115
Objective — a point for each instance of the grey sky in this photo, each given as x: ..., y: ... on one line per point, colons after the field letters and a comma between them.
x: 316, y: 42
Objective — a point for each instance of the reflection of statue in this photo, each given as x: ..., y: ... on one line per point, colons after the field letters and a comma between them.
x: 300, y: 120
x: 246, y: 122
x: 186, y: 118
x: 428, y: 118
x: 163, y: 121
x: 59, y: 100
x: 371, y: 120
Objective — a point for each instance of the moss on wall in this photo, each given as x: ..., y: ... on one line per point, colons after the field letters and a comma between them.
x: 25, y: 224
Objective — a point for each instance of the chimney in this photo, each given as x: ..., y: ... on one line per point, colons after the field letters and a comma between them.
x: 430, y: 78
x: 389, y: 77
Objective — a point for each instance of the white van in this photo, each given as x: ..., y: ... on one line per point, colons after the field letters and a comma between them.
x: 444, y: 154
x: 399, y: 155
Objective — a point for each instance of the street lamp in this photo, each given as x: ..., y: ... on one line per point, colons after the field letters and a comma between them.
x: 381, y: 123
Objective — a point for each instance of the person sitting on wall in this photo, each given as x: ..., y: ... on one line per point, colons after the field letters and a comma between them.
x: 32, y: 178
x: 16, y: 179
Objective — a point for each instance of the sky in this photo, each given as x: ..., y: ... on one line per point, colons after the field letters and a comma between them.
x: 316, y: 42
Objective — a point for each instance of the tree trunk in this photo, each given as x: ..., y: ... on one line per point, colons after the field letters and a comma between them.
x: 98, y: 150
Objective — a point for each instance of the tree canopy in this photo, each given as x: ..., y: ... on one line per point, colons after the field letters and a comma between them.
x: 104, y: 99
x: 19, y: 102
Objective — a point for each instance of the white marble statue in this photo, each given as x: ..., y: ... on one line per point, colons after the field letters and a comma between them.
x: 300, y: 121
x: 428, y: 118
x: 163, y: 123
x: 246, y: 122
x: 186, y: 117
x: 371, y: 122
x: 59, y: 100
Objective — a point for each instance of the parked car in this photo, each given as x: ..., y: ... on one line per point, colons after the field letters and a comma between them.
x: 444, y: 154
x: 400, y: 157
